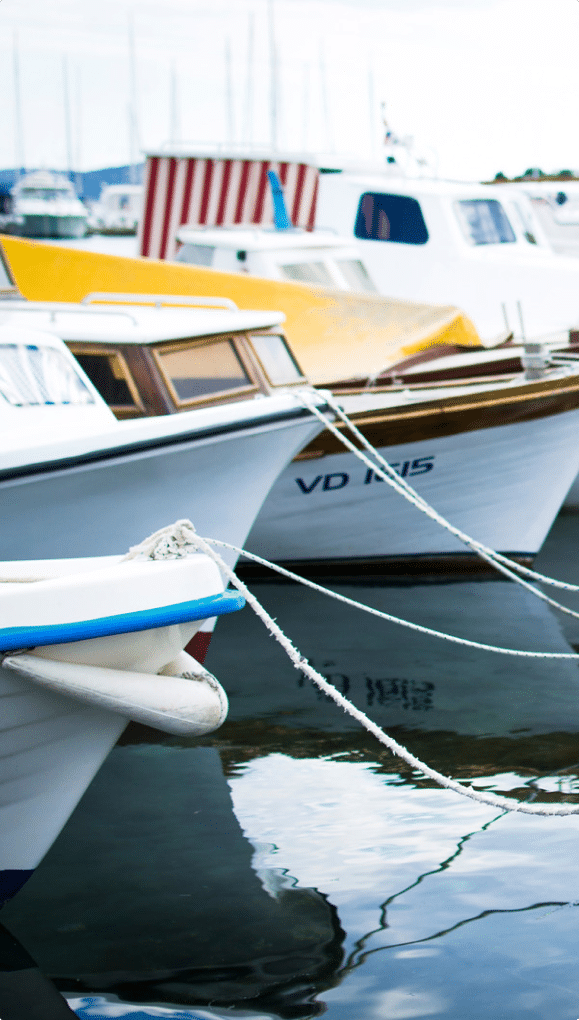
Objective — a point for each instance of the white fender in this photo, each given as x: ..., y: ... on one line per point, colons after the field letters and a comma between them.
x: 191, y: 704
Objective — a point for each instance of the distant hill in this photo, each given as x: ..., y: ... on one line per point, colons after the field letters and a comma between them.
x: 87, y: 183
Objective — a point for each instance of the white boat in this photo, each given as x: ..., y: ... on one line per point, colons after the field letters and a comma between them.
x: 74, y: 478
x: 495, y: 457
x: 555, y: 203
x: 118, y: 209
x: 44, y: 204
x: 85, y: 646
x: 478, y: 246
x: 318, y: 257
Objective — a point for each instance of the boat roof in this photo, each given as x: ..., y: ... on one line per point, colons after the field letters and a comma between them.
x: 418, y: 185
x: 43, y: 179
x: 129, y: 323
x: 259, y: 239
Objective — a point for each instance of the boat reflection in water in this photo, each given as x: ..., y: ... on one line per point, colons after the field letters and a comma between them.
x: 288, y: 866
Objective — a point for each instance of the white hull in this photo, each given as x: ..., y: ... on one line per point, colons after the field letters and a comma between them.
x: 101, y: 505
x: 51, y: 748
x: 503, y: 486
x: 48, y: 225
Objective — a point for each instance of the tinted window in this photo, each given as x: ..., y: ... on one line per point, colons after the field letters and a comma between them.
x: 484, y: 221
x: 390, y: 218
x: 204, y: 369
x: 106, y: 373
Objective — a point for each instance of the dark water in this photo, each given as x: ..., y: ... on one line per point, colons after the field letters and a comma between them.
x: 289, y: 866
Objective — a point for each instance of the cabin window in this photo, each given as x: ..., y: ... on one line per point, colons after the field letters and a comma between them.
x: 395, y: 218
x: 308, y: 272
x: 202, y: 370
x: 484, y: 221
x: 109, y: 374
x: 276, y: 359
x: 356, y: 275
x: 31, y: 375
x: 195, y: 254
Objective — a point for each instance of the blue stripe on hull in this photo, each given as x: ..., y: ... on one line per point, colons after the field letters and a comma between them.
x: 12, y: 638
x: 10, y: 883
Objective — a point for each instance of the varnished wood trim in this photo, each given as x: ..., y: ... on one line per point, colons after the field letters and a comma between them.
x: 453, y: 415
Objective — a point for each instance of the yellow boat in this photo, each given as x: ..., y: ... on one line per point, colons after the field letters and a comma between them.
x: 335, y: 335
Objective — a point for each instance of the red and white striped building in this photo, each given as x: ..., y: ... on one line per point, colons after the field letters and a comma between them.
x: 218, y: 191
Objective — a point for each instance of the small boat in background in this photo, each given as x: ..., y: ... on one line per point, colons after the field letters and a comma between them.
x: 119, y: 209
x: 85, y: 646
x: 44, y: 204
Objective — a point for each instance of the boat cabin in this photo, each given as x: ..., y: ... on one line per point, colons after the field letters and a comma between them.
x: 477, y: 246
x: 320, y: 257
x: 156, y: 355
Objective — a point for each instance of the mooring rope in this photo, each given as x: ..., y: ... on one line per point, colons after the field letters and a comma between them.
x: 385, y: 471
x: 453, y: 638
x: 301, y: 663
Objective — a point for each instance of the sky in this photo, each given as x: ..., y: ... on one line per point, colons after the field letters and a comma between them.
x: 477, y: 85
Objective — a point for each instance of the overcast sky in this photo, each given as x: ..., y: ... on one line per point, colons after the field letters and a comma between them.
x: 481, y: 85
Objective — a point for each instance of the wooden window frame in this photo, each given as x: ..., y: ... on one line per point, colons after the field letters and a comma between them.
x: 120, y: 410
x: 220, y: 396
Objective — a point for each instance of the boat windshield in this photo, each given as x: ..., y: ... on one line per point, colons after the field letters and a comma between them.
x: 308, y: 272
x: 484, y: 221
x: 32, y: 375
x: 46, y: 194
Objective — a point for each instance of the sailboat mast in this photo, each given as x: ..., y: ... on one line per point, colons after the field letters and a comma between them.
x: 19, y: 132
x: 134, y: 139
x: 67, y: 116
x: 273, y: 78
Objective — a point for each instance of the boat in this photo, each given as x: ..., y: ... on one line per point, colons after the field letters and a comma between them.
x: 478, y: 246
x: 555, y: 203
x: 362, y: 333
x: 87, y: 645
x: 318, y: 257
x: 475, y: 247
x: 44, y: 204
x: 495, y: 455
x: 89, y: 479
x: 118, y: 209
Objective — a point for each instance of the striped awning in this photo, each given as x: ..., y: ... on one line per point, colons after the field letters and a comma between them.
x: 212, y: 192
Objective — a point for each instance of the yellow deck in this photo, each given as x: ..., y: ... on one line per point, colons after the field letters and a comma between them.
x: 335, y: 335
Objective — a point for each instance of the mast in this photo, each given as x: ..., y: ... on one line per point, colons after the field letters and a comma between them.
x: 229, y: 94
x: 134, y: 138
x: 67, y: 116
x: 174, y: 127
x: 248, y: 119
x: 19, y: 133
x: 273, y: 78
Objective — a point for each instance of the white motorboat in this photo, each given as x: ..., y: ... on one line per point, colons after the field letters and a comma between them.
x: 318, y: 257
x: 44, y: 204
x: 74, y: 479
x: 479, y: 246
x: 85, y: 646
x: 119, y: 209
x: 495, y: 457
x: 463, y: 444
x: 555, y: 202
